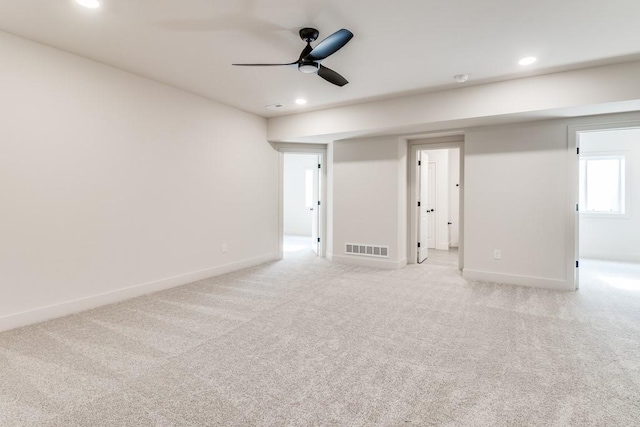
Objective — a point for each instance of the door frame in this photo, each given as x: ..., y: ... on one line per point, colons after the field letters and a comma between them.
x: 421, y: 157
x: 431, y: 143
x: 315, y: 149
x: 573, y: 216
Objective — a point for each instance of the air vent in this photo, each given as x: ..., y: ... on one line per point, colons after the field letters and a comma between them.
x: 367, y: 250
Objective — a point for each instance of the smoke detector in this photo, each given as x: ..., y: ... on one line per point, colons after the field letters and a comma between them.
x: 461, y: 78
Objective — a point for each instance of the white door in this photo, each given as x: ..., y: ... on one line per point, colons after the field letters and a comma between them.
x: 315, y: 210
x: 431, y: 206
x: 423, y: 209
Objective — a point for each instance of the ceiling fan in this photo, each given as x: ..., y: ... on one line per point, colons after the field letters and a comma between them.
x: 310, y: 60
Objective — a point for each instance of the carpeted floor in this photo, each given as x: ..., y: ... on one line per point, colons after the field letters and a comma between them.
x: 306, y: 342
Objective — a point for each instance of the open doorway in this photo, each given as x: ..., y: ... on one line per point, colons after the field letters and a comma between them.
x: 608, y: 226
x: 301, y: 204
x: 435, y: 203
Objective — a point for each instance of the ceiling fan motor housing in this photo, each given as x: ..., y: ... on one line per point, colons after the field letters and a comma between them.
x: 309, y: 34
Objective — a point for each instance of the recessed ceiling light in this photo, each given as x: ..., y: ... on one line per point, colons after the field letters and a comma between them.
x: 91, y: 4
x: 301, y: 101
x: 528, y: 60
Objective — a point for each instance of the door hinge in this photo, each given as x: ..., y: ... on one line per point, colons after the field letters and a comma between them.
x: 319, y: 166
x: 577, y: 150
x: 418, y: 204
x: 418, y: 244
x: 419, y: 163
x: 577, y: 264
x: 318, y: 202
x: 577, y: 208
x: 318, y: 240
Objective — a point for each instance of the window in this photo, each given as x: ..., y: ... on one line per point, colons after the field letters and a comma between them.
x: 602, y: 184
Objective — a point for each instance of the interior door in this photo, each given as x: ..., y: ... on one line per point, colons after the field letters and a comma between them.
x: 423, y: 209
x: 431, y: 205
x: 315, y: 209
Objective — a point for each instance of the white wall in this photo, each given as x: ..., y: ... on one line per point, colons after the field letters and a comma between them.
x: 369, y: 198
x: 516, y: 201
x: 519, y: 198
x: 614, y: 238
x: 454, y: 197
x: 109, y: 181
x: 297, y: 216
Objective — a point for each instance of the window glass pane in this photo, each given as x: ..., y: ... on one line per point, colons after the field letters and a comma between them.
x: 603, y: 185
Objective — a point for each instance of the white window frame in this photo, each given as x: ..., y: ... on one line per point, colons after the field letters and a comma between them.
x: 623, y: 183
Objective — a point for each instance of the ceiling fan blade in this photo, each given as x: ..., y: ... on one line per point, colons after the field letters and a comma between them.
x: 331, y: 76
x: 263, y: 65
x: 330, y: 45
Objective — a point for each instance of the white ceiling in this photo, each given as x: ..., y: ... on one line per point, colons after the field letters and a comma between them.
x: 400, y: 46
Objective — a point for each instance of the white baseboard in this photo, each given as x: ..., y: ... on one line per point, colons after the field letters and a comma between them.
x: 608, y: 256
x: 511, y: 279
x: 42, y: 314
x: 369, y: 262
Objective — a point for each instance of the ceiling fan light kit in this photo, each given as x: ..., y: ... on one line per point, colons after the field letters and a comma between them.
x: 310, y: 60
x: 308, y: 67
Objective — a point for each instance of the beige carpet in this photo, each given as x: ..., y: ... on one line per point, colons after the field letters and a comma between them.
x: 306, y: 342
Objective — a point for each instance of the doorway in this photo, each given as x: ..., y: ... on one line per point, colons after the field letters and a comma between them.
x: 607, y: 220
x: 435, y: 202
x: 301, y: 204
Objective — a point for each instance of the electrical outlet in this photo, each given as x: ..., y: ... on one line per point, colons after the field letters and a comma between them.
x: 497, y: 254
x: 224, y: 248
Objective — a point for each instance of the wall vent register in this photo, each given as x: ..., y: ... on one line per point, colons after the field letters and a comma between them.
x: 367, y: 250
